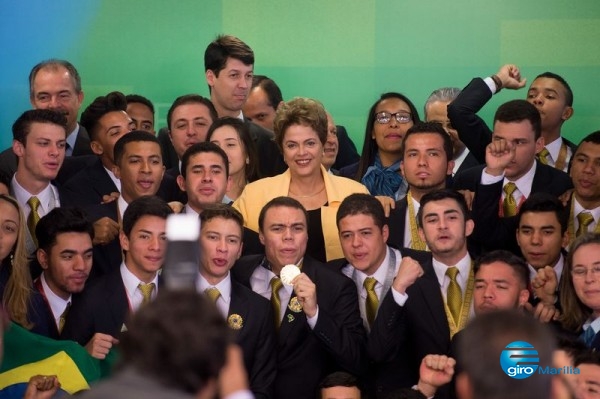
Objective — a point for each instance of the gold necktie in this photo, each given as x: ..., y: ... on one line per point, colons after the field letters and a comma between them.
x: 34, y: 217
x: 63, y: 317
x: 509, y: 205
x: 213, y: 294
x: 372, y: 302
x: 543, y: 156
x: 146, y: 290
x: 276, y: 286
x: 454, y: 294
x: 585, y: 219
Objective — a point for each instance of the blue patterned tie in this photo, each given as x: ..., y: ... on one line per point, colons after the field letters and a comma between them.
x: 588, y: 336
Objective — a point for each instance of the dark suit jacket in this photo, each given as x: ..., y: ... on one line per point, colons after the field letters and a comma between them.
x: 88, y: 186
x: 108, y: 257
x: 396, y: 223
x: 488, y: 233
x: 44, y: 315
x: 101, y: 308
x: 305, y: 356
x: 469, y: 162
x: 256, y: 338
x: 406, y: 334
x: 462, y: 112
x: 384, y: 376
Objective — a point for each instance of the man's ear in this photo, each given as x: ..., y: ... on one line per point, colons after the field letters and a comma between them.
x: 42, y: 258
x: 96, y: 148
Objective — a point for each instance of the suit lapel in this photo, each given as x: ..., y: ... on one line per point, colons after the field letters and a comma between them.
x: 432, y: 296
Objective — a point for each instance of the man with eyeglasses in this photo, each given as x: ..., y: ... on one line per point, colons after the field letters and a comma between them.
x: 426, y: 163
x: 436, y: 110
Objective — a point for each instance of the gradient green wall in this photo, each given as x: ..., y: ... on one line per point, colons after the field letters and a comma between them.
x: 342, y: 52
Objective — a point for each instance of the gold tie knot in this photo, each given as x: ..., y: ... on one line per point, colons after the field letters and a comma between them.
x: 585, y: 219
x: 63, y: 317
x: 543, y: 156
x: 34, y: 216
x: 510, y: 204
x: 372, y: 303
x: 276, y: 286
x: 212, y: 293
x: 454, y: 294
x: 146, y: 290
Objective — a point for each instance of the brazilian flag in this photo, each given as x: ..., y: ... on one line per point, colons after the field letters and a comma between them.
x: 27, y: 354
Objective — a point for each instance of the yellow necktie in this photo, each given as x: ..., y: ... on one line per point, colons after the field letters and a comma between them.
x: 34, y: 217
x: 543, y: 156
x: 63, y: 317
x: 146, y: 290
x: 454, y: 294
x: 509, y: 205
x: 372, y: 302
x: 585, y: 219
x: 213, y: 294
x: 276, y: 286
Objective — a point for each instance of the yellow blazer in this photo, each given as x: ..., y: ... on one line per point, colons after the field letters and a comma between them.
x: 258, y: 193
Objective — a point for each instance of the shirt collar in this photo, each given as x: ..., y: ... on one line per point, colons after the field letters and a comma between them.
x: 554, y: 148
x: 524, y: 182
x: 131, y: 282
x: 57, y: 304
x: 224, y: 286
x: 463, y: 265
x: 45, y: 196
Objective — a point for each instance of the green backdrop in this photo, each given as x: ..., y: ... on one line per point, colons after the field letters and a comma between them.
x: 342, y: 52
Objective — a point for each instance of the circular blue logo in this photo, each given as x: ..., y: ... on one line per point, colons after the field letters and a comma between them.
x: 519, y: 360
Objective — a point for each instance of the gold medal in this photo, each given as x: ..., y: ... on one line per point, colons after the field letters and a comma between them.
x: 295, y: 305
x: 235, y: 321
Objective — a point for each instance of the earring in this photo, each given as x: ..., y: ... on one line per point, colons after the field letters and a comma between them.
x: 11, y: 259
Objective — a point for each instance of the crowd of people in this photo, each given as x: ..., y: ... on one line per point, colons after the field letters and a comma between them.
x: 420, y: 258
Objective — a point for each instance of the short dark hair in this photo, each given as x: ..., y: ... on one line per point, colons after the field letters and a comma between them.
x: 102, y: 105
x: 180, y: 339
x: 430, y: 128
x: 270, y: 87
x: 443, y: 194
x: 147, y: 205
x: 361, y: 204
x: 587, y: 357
x: 61, y: 220
x: 133, y: 136
x: 370, y: 148
x: 223, y: 211
x: 480, y: 347
x: 518, y: 111
x: 22, y: 125
x: 593, y: 137
x: 339, y: 379
x: 199, y: 148
x: 54, y: 64
x: 545, y: 202
x: 191, y: 99
x: 563, y: 82
x: 243, y: 131
x: 516, y: 263
x: 136, y: 98
x: 276, y: 202
x: 224, y: 47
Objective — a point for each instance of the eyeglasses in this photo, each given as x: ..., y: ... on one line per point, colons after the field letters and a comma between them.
x: 582, y: 272
x: 385, y: 117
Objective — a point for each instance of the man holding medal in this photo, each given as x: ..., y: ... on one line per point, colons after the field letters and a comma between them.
x: 316, y: 309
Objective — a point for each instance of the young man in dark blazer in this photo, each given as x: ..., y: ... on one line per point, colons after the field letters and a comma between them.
x: 320, y: 329
x: 248, y: 314
x: 98, y: 318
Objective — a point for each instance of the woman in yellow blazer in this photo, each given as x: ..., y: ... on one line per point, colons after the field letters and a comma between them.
x: 300, y: 133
